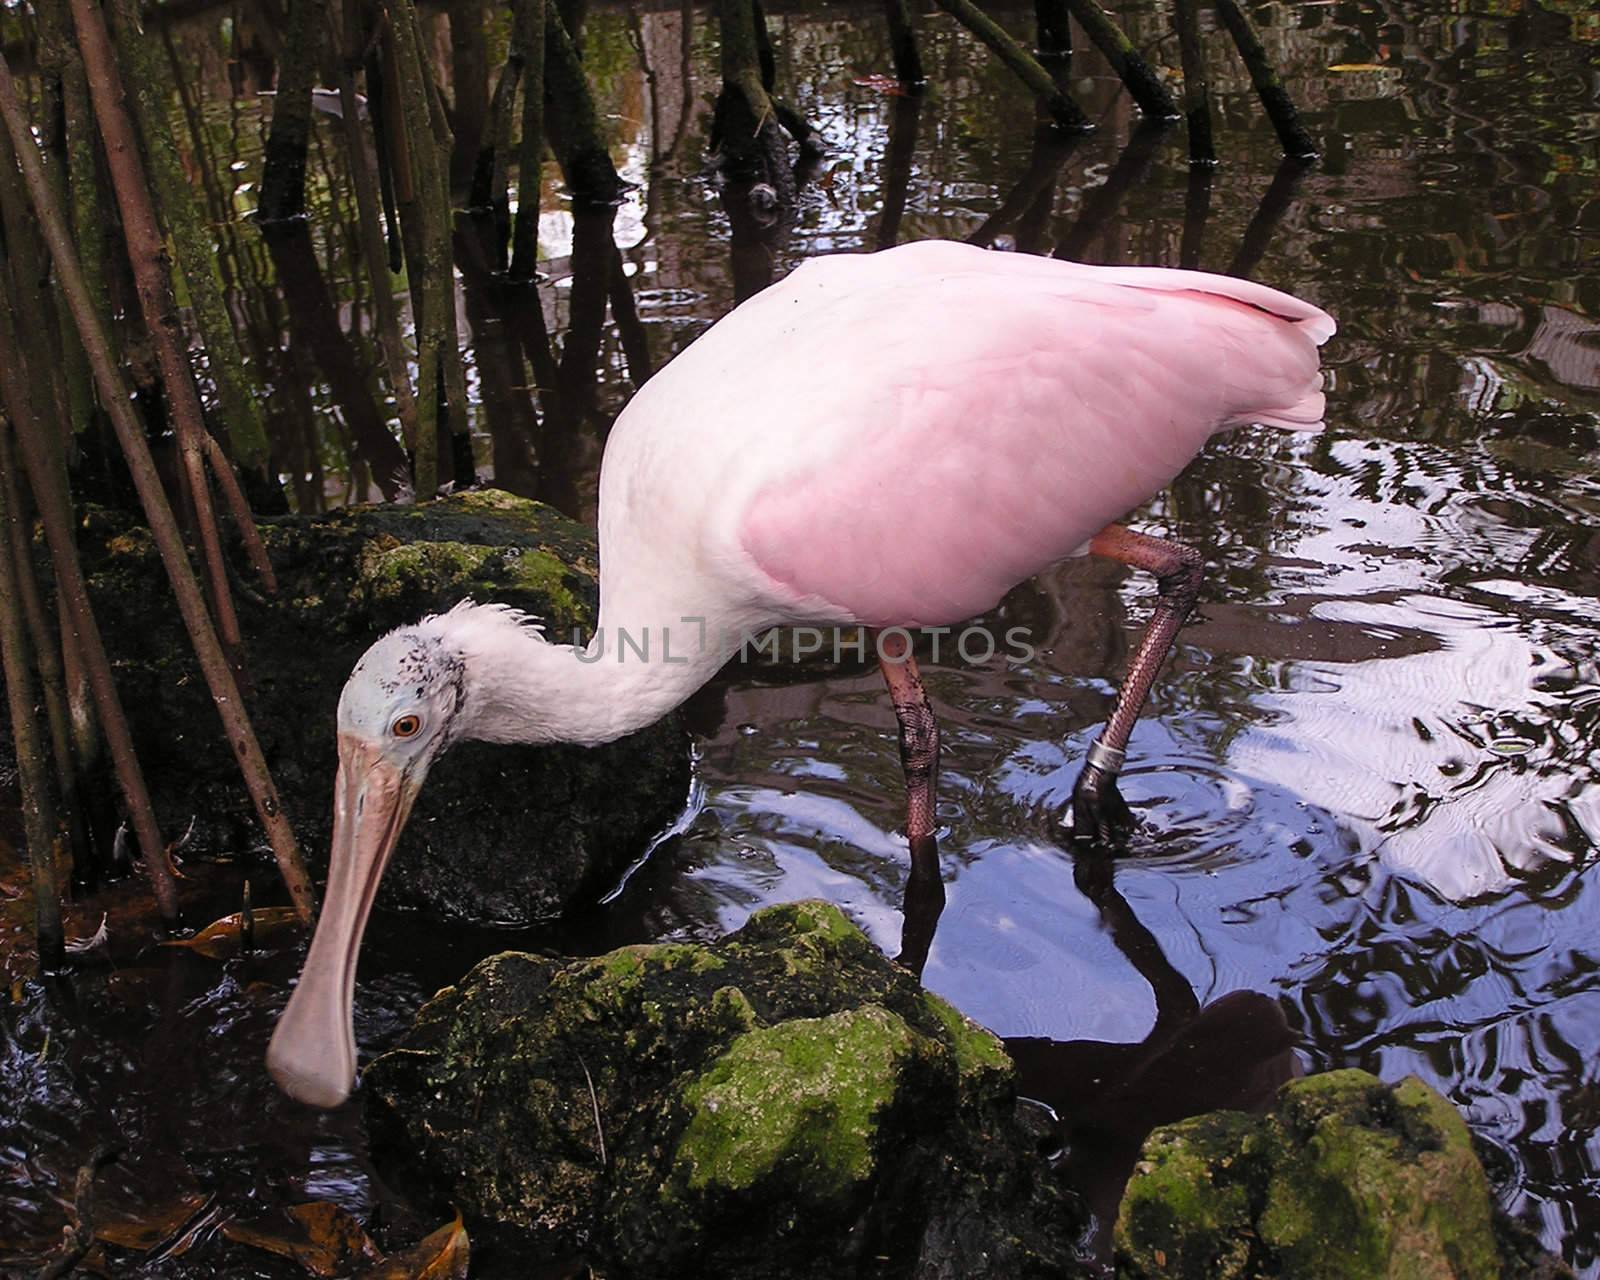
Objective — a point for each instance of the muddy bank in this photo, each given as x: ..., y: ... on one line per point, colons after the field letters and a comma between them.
x: 501, y: 834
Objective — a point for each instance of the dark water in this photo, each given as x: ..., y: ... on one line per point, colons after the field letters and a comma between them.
x: 1367, y: 781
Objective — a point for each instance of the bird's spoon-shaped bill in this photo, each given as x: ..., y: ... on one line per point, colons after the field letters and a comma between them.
x: 313, y: 1051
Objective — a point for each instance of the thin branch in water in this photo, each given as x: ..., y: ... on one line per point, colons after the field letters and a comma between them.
x: 147, y: 253
x: 1269, y: 213
x: 48, y: 659
x: 1063, y: 110
x: 1196, y: 85
x: 1135, y: 73
x: 283, y: 169
x: 38, y: 804
x: 213, y: 663
x: 903, y: 45
x: 239, y: 508
x: 1297, y: 141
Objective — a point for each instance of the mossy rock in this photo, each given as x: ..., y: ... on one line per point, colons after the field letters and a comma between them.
x: 503, y: 834
x: 784, y: 1102
x: 1346, y: 1179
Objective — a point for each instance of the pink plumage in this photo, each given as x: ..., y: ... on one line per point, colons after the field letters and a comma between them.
x: 899, y: 438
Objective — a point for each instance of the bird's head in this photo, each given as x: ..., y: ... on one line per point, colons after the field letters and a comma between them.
x: 403, y: 705
x: 400, y: 708
x: 479, y: 671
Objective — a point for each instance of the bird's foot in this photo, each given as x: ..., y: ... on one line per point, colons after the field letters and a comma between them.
x: 1100, y: 816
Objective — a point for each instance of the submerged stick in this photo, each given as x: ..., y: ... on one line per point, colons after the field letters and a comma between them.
x: 283, y: 168
x: 469, y: 76
x: 213, y: 663
x: 1297, y: 142
x: 625, y: 314
x: 1196, y: 85
x: 491, y: 174
x: 574, y: 123
x: 897, y: 169
x: 78, y: 1238
x: 1063, y: 110
x: 1134, y: 72
x: 1269, y: 213
x: 1196, y: 211
x: 903, y: 44
x: 1053, y: 22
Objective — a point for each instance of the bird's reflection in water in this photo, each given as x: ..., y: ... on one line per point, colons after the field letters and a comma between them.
x: 1230, y: 1054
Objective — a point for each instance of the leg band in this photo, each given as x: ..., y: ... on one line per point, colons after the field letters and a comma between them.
x: 1106, y: 759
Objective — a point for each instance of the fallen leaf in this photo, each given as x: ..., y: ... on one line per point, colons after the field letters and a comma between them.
x: 323, y: 1238
x: 881, y: 84
x: 442, y: 1255
x: 1361, y: 66
x: 220, y: 939
x: 149, y: 1226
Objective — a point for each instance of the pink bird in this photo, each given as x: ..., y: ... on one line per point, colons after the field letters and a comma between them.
x: 890, y: 440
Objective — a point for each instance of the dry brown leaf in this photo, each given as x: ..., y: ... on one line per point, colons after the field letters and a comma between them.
x: 442, y: 1255
x: 323, y: 1238
x: 219, y: 940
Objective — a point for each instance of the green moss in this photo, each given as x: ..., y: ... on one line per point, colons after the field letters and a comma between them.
x: 497, y: 501
x: 797, y: 1101
x: 543, y: 573
x: 534, y: 578
x: 807, y: 938
x: 1348, y: 1179
x: 1384, y: 1184
x: 810, y: 917
x: 981, y: 1058
x: 610, y: 980
x: 1178, y: 1217
x: 731, y: 1007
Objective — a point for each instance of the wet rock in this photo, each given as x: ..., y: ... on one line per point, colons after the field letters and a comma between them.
x: 784, y: 1102
x: 1346, y: 1179
x: 508, y: 834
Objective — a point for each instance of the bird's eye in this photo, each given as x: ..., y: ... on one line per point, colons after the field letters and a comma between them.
x: 406, y: 727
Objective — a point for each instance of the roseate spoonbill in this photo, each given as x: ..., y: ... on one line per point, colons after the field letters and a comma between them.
x: 892, y: 439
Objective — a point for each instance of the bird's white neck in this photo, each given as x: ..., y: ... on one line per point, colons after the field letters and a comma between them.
x: 521, y: 687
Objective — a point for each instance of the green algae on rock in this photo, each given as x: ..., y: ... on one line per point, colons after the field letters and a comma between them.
x: 786, y: 1101
x: 1346, y: 1179
x: 502, y: 834
x: 795, y: 1103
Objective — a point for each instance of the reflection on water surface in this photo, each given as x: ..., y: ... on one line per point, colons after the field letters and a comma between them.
x: 1368, y: 781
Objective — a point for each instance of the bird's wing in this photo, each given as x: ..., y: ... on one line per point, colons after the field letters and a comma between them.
x: 965, y: 421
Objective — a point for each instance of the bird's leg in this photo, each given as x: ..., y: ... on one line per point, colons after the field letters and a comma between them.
x: 919, y: 757
x: 1099, y: 814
